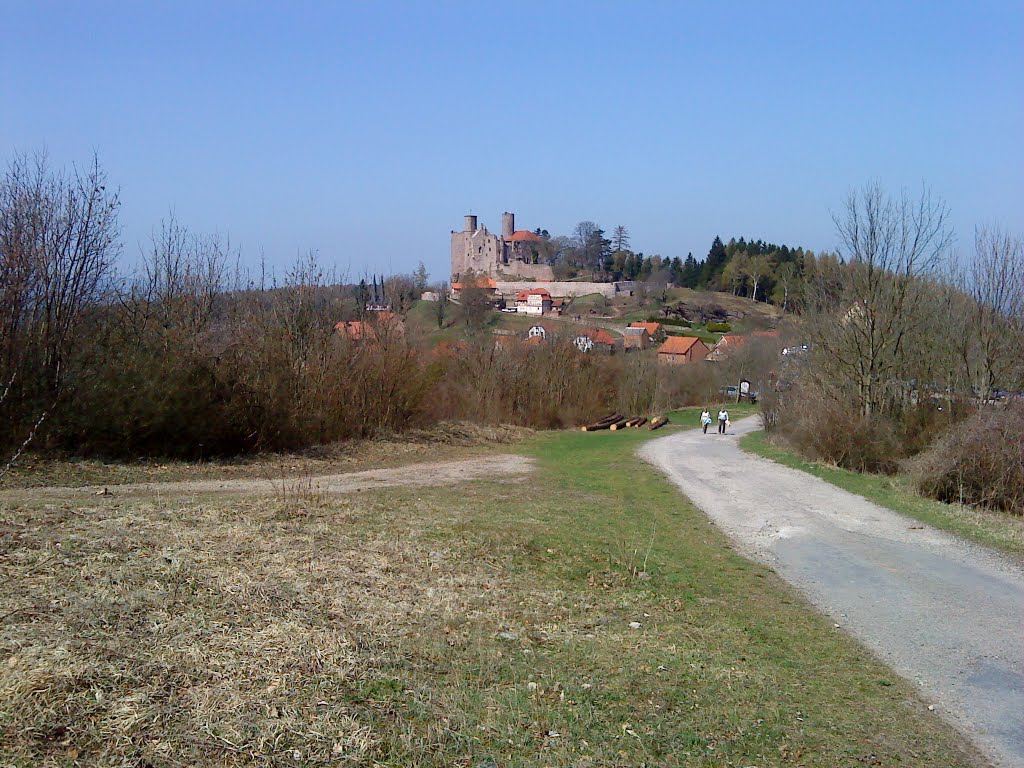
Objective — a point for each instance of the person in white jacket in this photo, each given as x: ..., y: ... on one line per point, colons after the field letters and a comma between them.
x: 723, y: 419
x: 705, y: 419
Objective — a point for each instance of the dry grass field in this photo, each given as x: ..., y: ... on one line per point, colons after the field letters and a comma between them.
x: 585, y: 615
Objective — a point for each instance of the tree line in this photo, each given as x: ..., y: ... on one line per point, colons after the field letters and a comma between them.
x: 190, y: 355
x: 756, y: 269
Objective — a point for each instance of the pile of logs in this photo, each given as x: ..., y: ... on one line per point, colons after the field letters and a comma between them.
x: 617, y: 421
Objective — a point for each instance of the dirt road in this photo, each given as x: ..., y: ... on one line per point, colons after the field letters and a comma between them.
x: 943, y: 613
x: 427, y: 473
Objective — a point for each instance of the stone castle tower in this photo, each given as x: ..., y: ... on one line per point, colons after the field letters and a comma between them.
x: 511, y: 254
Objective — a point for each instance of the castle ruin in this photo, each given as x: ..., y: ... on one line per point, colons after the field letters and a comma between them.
x: 512, y: 254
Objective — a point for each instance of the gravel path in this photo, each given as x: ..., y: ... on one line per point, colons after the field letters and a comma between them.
x: 943, y: 613
x: 429, y: 473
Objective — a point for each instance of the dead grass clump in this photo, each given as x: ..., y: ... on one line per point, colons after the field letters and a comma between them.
x: 467, y: 434
x: 238, y: 633
x: 979, y: 462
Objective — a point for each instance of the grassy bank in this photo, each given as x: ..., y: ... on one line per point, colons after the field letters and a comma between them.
x: 584, y: 616
x: 989, y: 528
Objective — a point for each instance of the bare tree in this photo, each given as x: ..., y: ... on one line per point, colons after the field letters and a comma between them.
x: 474, y: 299
x: 993, y: 284
x: 863, y: 311
x: 58, y: 242
x: 441, y: 305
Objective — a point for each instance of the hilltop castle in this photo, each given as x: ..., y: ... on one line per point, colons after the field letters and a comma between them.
x: 512, y: 254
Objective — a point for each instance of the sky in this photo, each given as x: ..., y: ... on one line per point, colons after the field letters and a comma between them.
x: 365, y: 131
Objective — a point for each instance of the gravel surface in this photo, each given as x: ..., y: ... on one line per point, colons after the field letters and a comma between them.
x: 426, y: 473
x: 944, y: 613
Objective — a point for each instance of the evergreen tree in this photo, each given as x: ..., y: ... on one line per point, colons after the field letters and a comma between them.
x: 714, y: 263
x: 677, y: 271
x: 620, y: 238
x: 419, y: 278
x: 691, y: 272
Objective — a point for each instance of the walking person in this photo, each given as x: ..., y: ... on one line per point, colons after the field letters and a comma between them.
x: 705, y: 419
x: 723, y: 419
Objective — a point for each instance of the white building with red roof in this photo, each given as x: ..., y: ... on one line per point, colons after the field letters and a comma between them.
x: 533, y: 301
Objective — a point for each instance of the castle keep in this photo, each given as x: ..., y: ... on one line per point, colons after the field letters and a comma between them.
x: 512, y: 254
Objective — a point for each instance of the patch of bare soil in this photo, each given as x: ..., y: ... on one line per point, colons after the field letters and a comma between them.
x: 447, y: 440
x: 420, y: 474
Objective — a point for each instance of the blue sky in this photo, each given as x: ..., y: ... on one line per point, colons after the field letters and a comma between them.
x: 366, y: 130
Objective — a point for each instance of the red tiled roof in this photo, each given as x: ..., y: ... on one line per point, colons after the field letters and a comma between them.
x: 523, y: 295
x: 450, y: 349
x: 357, y: 330
x: 730, y: 340
x: 678, y: 345
x: 600, y: 336
x: 524, y: 235
x: 651, y: 328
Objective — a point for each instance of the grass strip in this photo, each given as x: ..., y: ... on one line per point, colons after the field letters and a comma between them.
x: 989, y: 528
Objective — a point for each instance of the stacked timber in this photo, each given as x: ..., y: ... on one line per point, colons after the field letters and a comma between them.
x: 640, y: 421
x: 658, y: 422
x: 607, y: 422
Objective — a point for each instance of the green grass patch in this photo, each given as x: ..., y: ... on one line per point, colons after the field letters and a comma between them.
x: 989, y: 528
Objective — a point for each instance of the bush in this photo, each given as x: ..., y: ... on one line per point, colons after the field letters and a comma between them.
x: 719, y: 327
x: 980, y: 462
x: 826, y: 430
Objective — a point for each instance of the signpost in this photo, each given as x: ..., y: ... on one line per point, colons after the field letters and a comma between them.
x: 744, y: 390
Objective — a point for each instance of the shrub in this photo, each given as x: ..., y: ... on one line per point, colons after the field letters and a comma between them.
x: 719, y: 327
x: 824, y: 429
x: 980, y: 462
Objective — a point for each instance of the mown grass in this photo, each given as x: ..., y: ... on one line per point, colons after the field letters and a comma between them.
x: 585, y: 616
x: 990, y: 528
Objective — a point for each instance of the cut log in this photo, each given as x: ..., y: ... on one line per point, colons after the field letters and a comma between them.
x: 610, y: 419
x: 633, y: 422
x: 658, y: 422
x: 640, y: 421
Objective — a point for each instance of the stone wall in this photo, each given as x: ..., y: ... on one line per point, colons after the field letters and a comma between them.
x: 520, y: 270
x: 561, y: 290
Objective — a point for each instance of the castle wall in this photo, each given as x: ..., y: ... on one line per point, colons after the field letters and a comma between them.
x: 562, y: 290
x: 517, y: 269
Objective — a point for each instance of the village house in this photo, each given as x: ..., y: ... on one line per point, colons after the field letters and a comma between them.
x: 598, y: 340
x: 486, y: 283
x: 679, y: 350
x: 732, y: 342
x: 635, y: 338
x: 376, y: 325
x: 534, y: 301
x: 655, y: 331
x: 539, y: 331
